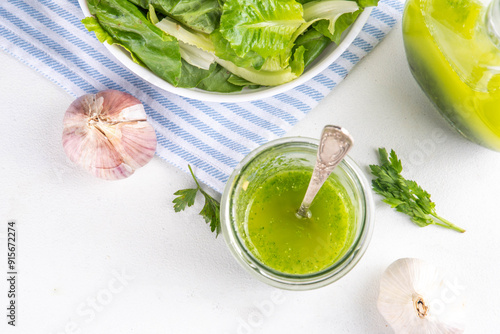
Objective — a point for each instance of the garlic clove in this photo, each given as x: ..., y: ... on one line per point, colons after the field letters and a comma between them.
x: 107, y: 133
x: 415, y: 298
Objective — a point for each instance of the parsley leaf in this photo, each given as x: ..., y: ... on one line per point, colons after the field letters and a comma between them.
x: 185, y: 197
x: 211, y: 210
x: 405, y: 196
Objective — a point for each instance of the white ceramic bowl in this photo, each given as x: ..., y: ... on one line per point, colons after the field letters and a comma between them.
x: 329, y: 55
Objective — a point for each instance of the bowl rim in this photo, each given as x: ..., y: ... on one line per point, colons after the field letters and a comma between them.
x: 307, y: 281
x: 248, y: 95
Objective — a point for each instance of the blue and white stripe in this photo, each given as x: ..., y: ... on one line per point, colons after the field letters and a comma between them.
x: 47, y: 36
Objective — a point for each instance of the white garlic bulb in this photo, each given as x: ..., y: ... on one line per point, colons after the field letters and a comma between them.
x: 415, y: 298
x: 107, y: 133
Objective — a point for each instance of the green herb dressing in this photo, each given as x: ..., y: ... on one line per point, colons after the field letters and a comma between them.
x: 456, y: 63
x: 279, y: 239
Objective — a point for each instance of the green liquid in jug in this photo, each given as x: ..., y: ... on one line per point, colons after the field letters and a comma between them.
x: 456, y: 63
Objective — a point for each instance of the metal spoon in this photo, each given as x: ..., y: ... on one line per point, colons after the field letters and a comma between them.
x: 334, y: 144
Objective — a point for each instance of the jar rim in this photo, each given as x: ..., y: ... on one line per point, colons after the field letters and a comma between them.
x: 298, y: 281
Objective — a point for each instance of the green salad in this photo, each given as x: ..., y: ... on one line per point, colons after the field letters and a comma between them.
x: 223, y: 46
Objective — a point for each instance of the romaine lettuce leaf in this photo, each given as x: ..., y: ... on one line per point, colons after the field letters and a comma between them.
x: 367, y: 3
x: 269, y: 78
x: 224, y: 51
x: 193, y: 56
x: 191, y: 76
x: 188, y: 36
x: 273, y: 64
x: 127, y: 25
x: 152, y: 16
x: 190, y: 42
x: 92, y: 24
x: 343, y: 22
x: 236, y: 80
x: 265, y: 27
x: 313, y: 42
x: 218, y: 81
x: 329, y: 10
x: 200, y: 15
x: 213, y: 45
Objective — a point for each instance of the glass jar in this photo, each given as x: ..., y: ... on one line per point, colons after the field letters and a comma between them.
x: 452, y: 50
x: 284, y: 155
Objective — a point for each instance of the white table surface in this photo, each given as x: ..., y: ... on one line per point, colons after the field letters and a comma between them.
x: 77, y: 234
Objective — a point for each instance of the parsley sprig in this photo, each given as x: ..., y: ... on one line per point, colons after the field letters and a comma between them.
x: 404, y: 195
x: 211, y: 210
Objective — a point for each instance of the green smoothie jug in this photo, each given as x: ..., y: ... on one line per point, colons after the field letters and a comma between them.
x: 453, y: 50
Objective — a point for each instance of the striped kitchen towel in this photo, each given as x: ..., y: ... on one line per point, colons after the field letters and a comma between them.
x: 47, y: 36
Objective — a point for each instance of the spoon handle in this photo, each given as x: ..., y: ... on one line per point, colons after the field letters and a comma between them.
x: 334, y: 144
